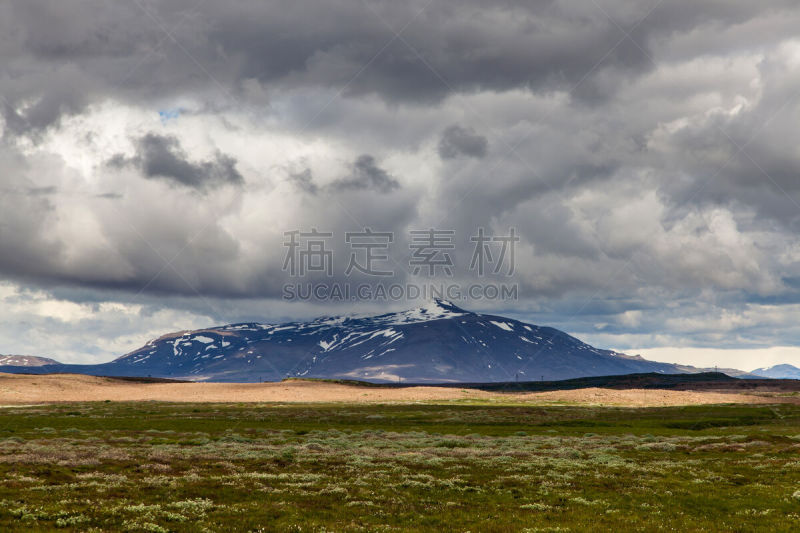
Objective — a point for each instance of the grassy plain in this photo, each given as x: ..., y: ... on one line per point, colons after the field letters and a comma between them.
x: 449, y: 466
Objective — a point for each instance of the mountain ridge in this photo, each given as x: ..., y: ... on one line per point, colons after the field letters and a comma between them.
x: 436, y: 343
x: 780, y: 371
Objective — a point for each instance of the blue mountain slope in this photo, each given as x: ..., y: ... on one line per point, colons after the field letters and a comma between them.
x: 778, y: 372
x: 435, y: 343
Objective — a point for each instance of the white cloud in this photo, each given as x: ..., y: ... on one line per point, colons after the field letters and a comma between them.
x: 36, y: 323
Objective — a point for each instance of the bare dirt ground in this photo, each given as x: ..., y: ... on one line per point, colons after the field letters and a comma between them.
x: 28, y: 389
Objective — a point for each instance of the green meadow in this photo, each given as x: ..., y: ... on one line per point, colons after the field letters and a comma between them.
x: 418, y: 467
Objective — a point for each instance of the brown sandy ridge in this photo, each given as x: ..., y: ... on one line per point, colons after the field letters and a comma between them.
x: 18, y: 389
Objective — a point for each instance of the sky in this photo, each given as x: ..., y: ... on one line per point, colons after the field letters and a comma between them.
x: 155, y: 155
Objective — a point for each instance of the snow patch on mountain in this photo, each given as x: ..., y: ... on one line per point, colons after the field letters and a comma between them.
x: 435, y: 310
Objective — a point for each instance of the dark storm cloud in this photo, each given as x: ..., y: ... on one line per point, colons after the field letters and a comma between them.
x: 27, y: 212
x: 366, y: 175
x: 747, y: 158
x: 458, y: 141
x: 161, y: 157
x: 42, y: 191
x: 109, y: 196
x: 304, y: 180
x: 616, y: 157
x: 60, y: 58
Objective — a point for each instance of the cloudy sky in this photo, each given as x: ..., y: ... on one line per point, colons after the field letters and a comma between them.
x: 153, y: 153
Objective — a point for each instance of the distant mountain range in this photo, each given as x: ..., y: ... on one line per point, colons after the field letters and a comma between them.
x: 778, y: 372
x: 26, y: 360
x: 436, y: 343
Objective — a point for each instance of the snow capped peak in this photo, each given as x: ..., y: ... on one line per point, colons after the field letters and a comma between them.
x: 437, y: 307
x: 780, y: 371
x: 434, y: 342
x: 446, y: 305
x: 776, y: 367
x: 433, y: 310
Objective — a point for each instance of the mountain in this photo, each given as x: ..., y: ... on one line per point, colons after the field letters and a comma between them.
x: 26, y: 360
x: 732, y: 372
x: 438, y: 342
x: 778, y: 372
